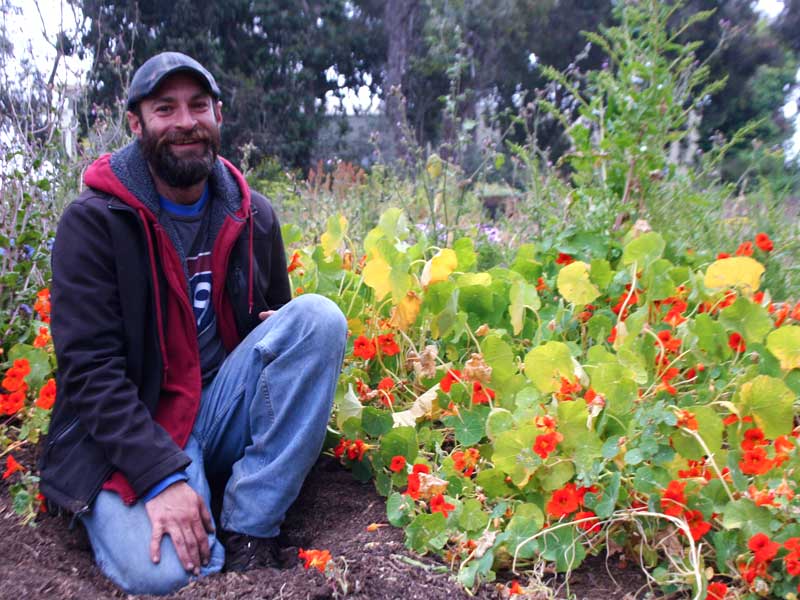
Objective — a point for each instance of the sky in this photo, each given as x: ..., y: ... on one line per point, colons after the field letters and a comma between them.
x: 31, y: 29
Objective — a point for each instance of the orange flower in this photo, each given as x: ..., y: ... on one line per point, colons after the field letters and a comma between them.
x: 355, y: 449
x: 736, y: 342
x: 317, y: 559
x: 564, y: 259
x: 439, y: 504
x: 47, y: 395
x: 15, y: 377
x: 764, y: 243
x: 753, y: 438
x: 387, y: 345
x: 745, y: 249
x: 546, y: 443
x: 449, y: 379
x: 42, y: 339
x: 384, y: 387
x: 481, y: 394
x: 466, y: 461
x: 514, y: 589
x: 541, y: 284
x: 687, y: 419
x: 613, y: 336
x: 716, y: 591
x: 697, y: 526
x: 398, y: 464
x: 673, y: 501
x: 42, y: 305
x: 563, y: 502
x: 567, y: 389
x: 761, y: 497
x: 12, y: 466
x: 11, y: 404
x: 363, y: 347
x: 294, y: 263
x: 762, y: 548
x: 592, y: 525
x: 755, y: 462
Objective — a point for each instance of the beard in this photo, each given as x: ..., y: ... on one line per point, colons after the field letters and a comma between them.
x: 185, y: 170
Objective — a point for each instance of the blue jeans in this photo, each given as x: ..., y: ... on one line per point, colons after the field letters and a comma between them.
x: 263, y: 419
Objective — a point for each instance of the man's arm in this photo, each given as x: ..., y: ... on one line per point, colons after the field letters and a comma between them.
x: 89, y: 337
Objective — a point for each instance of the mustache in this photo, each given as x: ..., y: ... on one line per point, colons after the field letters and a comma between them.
x: 190, y: 137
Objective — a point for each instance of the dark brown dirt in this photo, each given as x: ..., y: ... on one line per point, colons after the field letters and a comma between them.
x: 332, y: 512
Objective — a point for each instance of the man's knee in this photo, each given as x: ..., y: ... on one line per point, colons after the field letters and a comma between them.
x: 137, y: 576
x: 323, y: 314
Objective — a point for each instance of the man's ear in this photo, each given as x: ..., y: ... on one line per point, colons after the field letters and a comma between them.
x: 135, y: 123
x: 218, y: 112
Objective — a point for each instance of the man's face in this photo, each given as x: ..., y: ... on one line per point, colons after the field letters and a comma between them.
x: 178, y: 127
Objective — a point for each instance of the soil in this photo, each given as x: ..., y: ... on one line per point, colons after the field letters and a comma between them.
x: 332, y: 512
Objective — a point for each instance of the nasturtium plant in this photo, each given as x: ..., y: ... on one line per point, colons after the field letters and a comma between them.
x: 539, y: 411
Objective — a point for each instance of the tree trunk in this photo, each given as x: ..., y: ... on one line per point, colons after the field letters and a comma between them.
x: 399, y: 17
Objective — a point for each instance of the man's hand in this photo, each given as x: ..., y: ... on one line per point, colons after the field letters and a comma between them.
x: 180, y: 513
x: 266, y: 314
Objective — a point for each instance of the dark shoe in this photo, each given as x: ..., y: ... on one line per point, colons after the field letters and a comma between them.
x: 245, y: 552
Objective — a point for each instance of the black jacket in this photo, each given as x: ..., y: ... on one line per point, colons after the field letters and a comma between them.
x: 116, y: 312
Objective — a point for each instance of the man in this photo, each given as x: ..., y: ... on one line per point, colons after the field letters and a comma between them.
x: 181, y: 357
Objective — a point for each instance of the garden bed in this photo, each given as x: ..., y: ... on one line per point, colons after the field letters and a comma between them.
x: 333, y: 512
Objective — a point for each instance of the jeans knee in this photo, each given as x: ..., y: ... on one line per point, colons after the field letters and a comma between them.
x: 325, y: 316
x: 140, y: 577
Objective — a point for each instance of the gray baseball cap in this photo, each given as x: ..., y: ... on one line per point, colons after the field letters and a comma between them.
x: 155, y: 69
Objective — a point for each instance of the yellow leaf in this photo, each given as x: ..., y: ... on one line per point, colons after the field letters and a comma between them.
x: 434, y: 166
x: 333, y: 237
x: 737, y: 271
x: 439, y: 267
x: 405, y: 313
x: 784, y: 343
x: 377, y: 273
x: 574, y: 284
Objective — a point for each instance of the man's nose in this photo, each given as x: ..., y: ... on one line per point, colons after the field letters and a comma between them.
x: 184, y: 118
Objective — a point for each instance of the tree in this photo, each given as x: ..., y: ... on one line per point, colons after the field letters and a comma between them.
x: 275, y: 60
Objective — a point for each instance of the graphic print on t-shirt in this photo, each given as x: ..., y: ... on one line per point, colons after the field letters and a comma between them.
x: 199, y: 268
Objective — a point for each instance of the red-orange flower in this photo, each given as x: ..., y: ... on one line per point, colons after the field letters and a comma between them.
x: 546, y: 443
x: 387, y: 345
x: 363, y: 347
x: 591, y: 525
x: 449, y: 379
x: 398, y: 464
x: 764, y: 243
x: 43, y: 338
x: 439, y: 504
x: 736, y: 342
x: 11, y: 404
x: 317, y: 559
x: 466, y: 461
x: 481, y: 394
x: 687, y: 419
x: 515, y: 588
x: 761, y: 497
x: 755, y: 462
x: 563, y: 502
x: 14, y: 379
x: 673, y: 501
x: 762, y: 548
x: 294, y: 263
x: 697, y: 526
x: 384, y: 387
x: 745, y: 249
x: 716, y: 591
x: 47, y: 395
x: 42, y: 305
x: 753, y: 438
x: 12, y: 466
x: 564, y: 259
x: 413, y: 483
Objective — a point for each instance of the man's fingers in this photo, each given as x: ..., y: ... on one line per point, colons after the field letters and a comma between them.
x: 186, y: 554
x: 155, y: 543
x: 200, y: 535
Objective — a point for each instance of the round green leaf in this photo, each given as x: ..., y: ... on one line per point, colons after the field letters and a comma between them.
x: 574, y: 284
x: 769, y: 401
x: 784, y: 343
x: 643, y: 250
x: 545, y: 365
